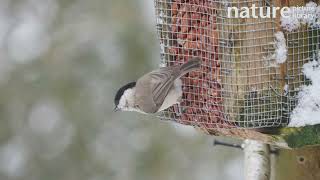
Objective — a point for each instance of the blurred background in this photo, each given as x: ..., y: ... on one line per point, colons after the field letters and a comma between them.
x: 61, y: 62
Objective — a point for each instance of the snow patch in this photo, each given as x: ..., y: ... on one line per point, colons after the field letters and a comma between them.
x: 281, y: 50
x: 286, y: 89
x: 307, y: 112
x: 162, y: 51
x: 160, y: 20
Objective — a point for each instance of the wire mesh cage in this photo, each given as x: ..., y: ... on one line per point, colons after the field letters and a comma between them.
x: 240, y: 84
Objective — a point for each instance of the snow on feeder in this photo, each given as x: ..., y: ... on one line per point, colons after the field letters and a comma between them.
x: 252, y: 68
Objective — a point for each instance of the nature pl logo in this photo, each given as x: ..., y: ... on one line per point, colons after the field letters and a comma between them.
x: 271, y: 12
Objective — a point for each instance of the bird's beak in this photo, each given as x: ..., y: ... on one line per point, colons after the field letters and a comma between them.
x: 116, y: 109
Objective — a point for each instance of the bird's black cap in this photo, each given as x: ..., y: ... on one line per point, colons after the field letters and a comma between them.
x: 121, y: 91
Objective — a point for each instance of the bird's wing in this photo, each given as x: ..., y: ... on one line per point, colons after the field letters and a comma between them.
x: 161, y: 81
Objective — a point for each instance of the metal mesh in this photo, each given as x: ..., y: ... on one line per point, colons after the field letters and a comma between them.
x: 303, y: 46
x: 238, y: 85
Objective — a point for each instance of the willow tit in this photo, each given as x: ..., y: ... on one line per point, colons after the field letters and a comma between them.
x: 156, y: 90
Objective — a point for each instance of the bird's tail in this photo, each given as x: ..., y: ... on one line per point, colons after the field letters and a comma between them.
x: 190, y: 65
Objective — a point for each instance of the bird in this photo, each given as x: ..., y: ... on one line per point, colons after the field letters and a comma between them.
x: 156, y: 90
